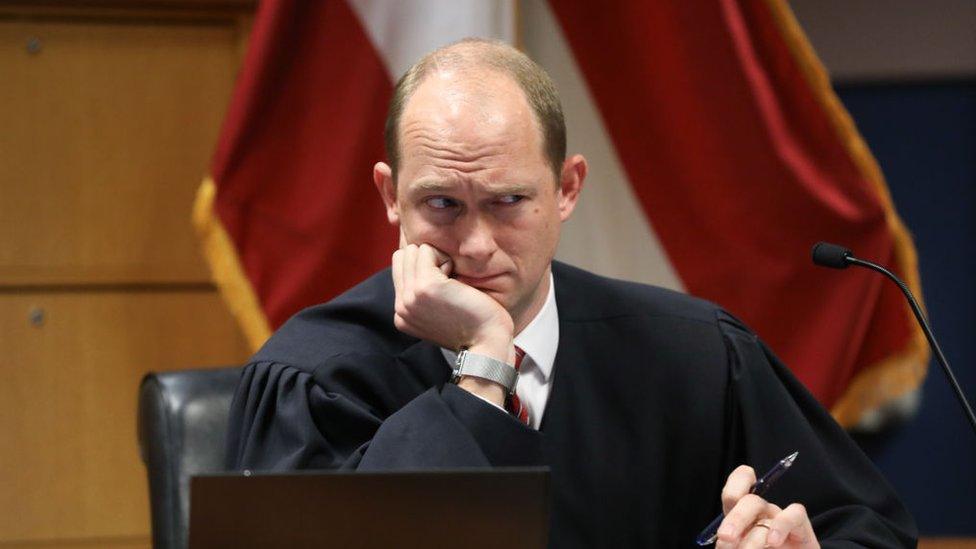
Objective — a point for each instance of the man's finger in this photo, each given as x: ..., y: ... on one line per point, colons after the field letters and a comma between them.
x: 737, y: 485
x: 401, y: 324
x: 740, y: 519
x: 447, y: 267
x: 426, y: 262
x: 430, y: 260
x: 435, y: 258
x: 443, y: 261
x: 755, y: 538
x: 792, y: 523
x: 397, y: 265
x: 409, y: 268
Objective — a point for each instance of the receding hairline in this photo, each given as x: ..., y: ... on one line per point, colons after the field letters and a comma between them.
x: 475, y: 56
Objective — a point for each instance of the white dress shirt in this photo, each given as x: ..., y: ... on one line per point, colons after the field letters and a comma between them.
x: 539, y: 340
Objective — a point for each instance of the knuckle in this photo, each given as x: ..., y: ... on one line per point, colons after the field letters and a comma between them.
x: 796, y: 511
x: 745, y: 471
x: 734, y: 516
x: 747, y: 543
x: 422, y: 292
x: 735, y: 521
x: 778, y: 523
x: 409, y: 299
x: 728, y: 496
x: 752, y: 500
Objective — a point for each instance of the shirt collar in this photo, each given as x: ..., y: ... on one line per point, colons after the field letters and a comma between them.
x: 539, y: 339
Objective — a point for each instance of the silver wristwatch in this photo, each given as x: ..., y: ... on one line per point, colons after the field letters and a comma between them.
x: 485, y: 367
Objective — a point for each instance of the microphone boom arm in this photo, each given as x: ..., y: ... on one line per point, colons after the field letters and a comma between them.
x: 925, y: 328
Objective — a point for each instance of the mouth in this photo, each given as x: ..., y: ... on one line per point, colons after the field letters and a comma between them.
x: 478, y: 281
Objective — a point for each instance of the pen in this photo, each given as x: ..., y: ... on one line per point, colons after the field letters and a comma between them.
x: 708, y: 535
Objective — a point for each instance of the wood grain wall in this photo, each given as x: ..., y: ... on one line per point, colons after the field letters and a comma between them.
x: 108, y: 114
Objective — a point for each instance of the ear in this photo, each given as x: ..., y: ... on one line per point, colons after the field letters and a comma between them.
x: 383, y: 179
x: 571, y: 184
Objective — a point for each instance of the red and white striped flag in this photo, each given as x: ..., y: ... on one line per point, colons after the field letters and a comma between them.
x: 289, y: 216
x: 719, y: 154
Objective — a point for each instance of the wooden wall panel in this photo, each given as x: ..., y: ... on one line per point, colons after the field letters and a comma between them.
x: 69, y: 464
x: 107, y: 131
x: 109, y: 114
x: 947, y: 543
x: 140, y: 542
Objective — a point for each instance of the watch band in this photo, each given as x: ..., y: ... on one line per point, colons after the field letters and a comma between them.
x: 485, y: 367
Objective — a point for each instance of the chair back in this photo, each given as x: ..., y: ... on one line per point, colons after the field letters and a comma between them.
x: 182, y: 424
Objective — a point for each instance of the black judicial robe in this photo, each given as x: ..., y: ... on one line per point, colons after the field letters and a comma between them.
x: 656, y: 398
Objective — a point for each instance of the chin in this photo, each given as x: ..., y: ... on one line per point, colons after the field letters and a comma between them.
x: 501, y: 297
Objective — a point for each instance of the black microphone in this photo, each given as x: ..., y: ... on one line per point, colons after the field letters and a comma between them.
x: 830, y: 255
x: 839, y: 257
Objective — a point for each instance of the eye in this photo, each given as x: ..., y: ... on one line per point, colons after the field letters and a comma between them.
x: 510, y: 199
x: 441, y: 202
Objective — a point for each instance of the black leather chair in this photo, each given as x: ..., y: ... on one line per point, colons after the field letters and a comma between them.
x: 182, y: 425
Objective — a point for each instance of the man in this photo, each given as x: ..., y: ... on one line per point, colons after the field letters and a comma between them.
x: 642, y: 401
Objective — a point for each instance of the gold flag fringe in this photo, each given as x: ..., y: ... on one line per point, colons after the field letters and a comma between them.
x: 226, y: 269
x: 895, y: 376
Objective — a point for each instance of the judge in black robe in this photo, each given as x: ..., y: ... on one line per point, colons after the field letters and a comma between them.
x: 656, y: 398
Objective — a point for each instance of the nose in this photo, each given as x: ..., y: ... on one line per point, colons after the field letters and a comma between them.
x: 477, y: 241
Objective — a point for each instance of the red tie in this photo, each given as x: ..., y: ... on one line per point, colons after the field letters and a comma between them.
x: 513, y: 404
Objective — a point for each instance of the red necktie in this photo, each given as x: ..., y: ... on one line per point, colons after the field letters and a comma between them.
x: 513, y: 404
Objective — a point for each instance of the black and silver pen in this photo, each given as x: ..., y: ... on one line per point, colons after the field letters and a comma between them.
x: 708, y: 535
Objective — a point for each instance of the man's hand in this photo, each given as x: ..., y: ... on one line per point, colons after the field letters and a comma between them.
x: 432, y: 306
x: 751, y: 521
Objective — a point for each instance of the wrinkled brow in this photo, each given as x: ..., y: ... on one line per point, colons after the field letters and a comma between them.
x: 447, y: 186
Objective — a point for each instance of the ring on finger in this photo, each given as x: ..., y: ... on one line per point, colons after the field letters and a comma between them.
x: 762, y: 523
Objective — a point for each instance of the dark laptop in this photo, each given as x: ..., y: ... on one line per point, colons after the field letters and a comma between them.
x: 471, y: 509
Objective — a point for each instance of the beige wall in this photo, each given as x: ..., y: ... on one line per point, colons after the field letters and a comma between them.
x: 864, y: 40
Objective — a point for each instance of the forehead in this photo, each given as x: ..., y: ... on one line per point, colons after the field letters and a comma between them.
x: 474, y: 123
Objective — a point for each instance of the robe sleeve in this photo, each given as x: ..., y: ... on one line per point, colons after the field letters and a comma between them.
x: 347, y: 415
x: 770, y: 415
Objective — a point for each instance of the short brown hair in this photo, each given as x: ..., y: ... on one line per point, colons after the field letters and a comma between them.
x: 478, y: 52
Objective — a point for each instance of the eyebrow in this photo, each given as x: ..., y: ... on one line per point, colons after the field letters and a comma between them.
x: 432, y: 185
x: 512, y: 188
x: 441, y: 186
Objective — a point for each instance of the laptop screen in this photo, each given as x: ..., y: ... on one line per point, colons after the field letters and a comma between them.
x: 467, y: 508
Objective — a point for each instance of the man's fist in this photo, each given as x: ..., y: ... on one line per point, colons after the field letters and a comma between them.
x: 431, y: 305
x: 751, y: 521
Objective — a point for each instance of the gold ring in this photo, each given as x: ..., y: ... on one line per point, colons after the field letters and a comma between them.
x: 764, y: 523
